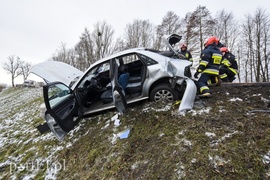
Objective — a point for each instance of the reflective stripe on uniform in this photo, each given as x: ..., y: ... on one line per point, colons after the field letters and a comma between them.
x: 217, y: 58
x: 233, y: 70
x: 211, y: 71
x: 213, y: 80
x: 222, y: 76
x: 203, y: 63
x: 226, y: 62
x: 204, y: 88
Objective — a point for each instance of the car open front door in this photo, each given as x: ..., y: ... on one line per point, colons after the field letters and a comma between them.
x: 63, y: 112
x: 117, y: 92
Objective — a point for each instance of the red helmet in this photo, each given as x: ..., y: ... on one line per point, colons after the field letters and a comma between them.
x: 211, y: 40
x: 183, y: 46
x: 224, y: 49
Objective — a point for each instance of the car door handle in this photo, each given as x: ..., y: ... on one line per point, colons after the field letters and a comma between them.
x: 71, y: 106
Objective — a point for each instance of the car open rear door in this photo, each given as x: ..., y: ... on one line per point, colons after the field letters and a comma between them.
x: 63, y: 112
x: 119, y: 99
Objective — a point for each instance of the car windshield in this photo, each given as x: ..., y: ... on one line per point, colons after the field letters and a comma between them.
x: 95, y: 71
x: 104, y: 67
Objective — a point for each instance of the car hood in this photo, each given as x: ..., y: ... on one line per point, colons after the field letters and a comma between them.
x: 52, y: 71
x: 171, y: 40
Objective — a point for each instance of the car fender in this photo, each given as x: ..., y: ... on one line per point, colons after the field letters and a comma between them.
x: 176, y: 67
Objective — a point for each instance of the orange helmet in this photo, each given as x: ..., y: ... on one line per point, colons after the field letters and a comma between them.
x: 211, y: 40
x: 183, y: 46
x: 224, y: 49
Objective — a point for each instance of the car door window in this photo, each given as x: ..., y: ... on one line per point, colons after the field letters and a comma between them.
x: 62, y: 106
x: 57, y: 93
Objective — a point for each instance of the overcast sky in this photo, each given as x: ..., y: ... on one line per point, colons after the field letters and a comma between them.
x: 34, y: 29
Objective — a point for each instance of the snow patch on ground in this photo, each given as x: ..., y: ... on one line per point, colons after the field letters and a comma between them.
x: 200, y: 111
x: 223, y: 138
x: 235, y: 99
x: 266, y: 158
x: 209, y: 134
x: 20, y: 110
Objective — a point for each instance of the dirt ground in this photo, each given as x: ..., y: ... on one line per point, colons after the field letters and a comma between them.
x: 226, y: 136
x: 247, y: 93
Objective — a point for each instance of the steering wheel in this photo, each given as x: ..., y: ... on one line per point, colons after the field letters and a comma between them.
x: 96, y: 83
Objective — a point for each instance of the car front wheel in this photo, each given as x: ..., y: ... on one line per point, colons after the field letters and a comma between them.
x: 163, y: 92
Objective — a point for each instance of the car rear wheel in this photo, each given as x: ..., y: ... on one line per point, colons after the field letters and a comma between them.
x: 163, y: 92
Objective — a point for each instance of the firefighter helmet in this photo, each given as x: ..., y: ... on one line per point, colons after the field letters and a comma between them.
x: 183, y: 46
x: 211, y: 40
x: 224, y: 49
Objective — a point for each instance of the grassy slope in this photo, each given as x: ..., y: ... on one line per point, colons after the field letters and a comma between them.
x: 24, y: 153
x: 220, y: 141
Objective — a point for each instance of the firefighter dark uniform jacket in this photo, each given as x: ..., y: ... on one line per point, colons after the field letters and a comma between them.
x: 210, y: 60
x: 187, y: 55
x: 229, y: 61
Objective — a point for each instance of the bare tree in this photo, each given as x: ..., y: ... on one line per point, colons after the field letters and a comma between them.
x: 248, y: 54
x: 256, y: 32
x: 226, y: 29
x: 266, y: 51
x: 12, y: 66
x: 204, y: 22
x: 262, y: 40
x: 170, y: 25
x: 190, y: 36
x: 85, y: 50
x: 73, y: 58
x: 119, y: 45
x: 103, y: 38
x: 25, y: 68
x: 91, y: 47
x: 80, y: 56
x: 61, y: 54
x: 139, y: 34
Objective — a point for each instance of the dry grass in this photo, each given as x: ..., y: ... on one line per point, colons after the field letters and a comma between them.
x: 222, y: 140
x: 225, y: 143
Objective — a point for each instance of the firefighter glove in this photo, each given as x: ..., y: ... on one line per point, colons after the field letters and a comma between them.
x: 196, y: 75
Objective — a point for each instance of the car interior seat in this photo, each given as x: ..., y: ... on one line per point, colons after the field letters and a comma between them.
x: 135, y: 82
x: 123, y: 80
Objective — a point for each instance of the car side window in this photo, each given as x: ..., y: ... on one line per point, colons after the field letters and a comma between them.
x: 130, y: 58
x: 57, y: 93
x: 147, y: 60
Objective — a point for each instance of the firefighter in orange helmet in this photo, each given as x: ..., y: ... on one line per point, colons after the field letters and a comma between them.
x: 208, y: 66
x: 228, y: 68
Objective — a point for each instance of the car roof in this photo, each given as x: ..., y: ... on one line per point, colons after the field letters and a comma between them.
x: 117, y: 54
x: 140, y: 50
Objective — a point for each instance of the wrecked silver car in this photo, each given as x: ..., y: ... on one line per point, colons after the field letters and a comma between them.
x: 150, y: 74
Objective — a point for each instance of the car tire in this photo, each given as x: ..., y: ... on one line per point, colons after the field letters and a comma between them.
x: 163, y: 92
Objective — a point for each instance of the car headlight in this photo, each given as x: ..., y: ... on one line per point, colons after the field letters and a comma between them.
x: 187, y: 71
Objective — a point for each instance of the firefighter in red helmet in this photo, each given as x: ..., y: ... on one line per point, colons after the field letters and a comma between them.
x: 208, y: 66
x: 228, y: 68
x: 186, y: 54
